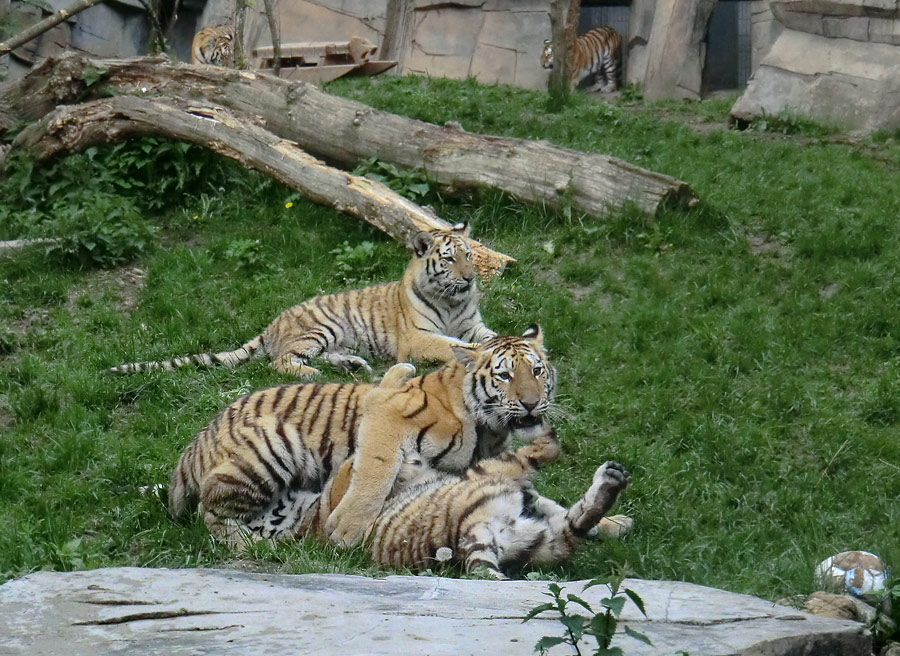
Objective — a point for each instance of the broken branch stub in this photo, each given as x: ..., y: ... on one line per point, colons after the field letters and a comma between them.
x: 72, y: 128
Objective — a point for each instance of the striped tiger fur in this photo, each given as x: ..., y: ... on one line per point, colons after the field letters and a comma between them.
x: 598, y: 52
x: 420, y: 317
x: 491, y: 517
x: 213, y: 46
x: 488, y: 516
x: 262, y: 464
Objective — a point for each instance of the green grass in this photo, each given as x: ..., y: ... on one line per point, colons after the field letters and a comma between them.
x: 741, y: 359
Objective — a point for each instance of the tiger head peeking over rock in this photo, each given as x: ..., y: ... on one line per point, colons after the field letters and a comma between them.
x: 420, y: 317
x: 261, y: 466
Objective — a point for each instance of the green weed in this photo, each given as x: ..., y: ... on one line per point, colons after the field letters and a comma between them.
x: 601, y: 625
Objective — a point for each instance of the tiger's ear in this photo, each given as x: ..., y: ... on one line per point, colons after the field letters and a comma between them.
x: 461, y: 229
x: 421, y: 243
x: 465, y: 355
x: 534, y: 334
x: 546, y: 42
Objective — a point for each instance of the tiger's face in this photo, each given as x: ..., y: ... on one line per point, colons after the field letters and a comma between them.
x: 547, y: 54
x: 509, y: 381
x: 444, y: 262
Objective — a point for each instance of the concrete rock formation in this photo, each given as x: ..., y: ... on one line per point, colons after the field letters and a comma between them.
x: 199, y: 611
x: 836, y: 61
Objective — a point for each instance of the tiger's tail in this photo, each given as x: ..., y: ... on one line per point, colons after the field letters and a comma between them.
x: 252, y: 349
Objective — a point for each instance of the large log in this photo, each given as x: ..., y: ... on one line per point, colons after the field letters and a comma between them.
x: 345, y: 132
x: 75, y: 127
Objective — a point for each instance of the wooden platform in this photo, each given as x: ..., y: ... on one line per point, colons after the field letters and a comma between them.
x: 321, y: 61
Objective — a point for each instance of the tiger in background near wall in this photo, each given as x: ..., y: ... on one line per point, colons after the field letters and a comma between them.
x: 420, y: 317
x: 261, y: 466
x: 599, y: 50
x: 214, y: 46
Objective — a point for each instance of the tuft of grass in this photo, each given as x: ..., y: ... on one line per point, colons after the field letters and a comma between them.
x: 737, y: 358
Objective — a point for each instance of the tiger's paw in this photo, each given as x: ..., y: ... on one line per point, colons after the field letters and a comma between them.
x: 398, y: 375
x: 615, y: 527
x: 612, y: 476
x: 347, y: 362
x: 294, y: 365
x: 347, y: 528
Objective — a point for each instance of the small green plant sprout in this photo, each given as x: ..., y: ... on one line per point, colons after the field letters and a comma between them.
x: 355, y: 262
x: 245, y: 253
x: 410, y: 183
x: 885, y: 625
x: 601, y: 625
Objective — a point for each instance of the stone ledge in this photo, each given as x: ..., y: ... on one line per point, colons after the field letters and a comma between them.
x: 852, y: 84
x: 197, y: 611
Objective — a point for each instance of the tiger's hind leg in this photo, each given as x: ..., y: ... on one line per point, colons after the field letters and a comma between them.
x: 293, y: 356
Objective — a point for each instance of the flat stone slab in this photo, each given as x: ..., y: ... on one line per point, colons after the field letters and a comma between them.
x: 150, y: 612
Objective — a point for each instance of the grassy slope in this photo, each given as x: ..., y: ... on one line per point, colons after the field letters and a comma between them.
x: 740, y: 359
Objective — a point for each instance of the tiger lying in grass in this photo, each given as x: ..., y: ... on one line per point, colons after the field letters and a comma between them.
x: 420, y: 317
x: 262, y: 464
x: 488, y: 517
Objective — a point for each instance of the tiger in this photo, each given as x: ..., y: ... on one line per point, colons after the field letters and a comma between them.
x: 260, y: 466
x: 599, y: 50
x: 432, y: 308
x: 213, y: 46
x: 489, y: 516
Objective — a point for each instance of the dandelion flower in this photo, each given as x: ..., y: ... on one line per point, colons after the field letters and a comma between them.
x: 288, y: 205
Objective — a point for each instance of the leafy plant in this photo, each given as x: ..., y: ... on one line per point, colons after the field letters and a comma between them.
x: 410, y: 183
x: 245, y: 253
x: 355, y: 262
x: 601, y: 625
x: 102, y: 229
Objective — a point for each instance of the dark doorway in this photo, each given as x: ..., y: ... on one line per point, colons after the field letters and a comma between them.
x: 727, y: 63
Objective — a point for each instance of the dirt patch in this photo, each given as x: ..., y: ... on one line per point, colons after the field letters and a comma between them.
x: 766, y: 246
x: 577, y: 292
x: 125, y: 283
x: 7, y: 418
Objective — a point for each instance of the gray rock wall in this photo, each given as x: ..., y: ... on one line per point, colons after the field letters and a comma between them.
x: 836, y: 61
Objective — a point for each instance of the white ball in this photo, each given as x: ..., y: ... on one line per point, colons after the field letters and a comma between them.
x: 857, y: 572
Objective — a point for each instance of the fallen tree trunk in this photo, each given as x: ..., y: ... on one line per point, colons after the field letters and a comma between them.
x: 72, y: 128
x: 346, y: 132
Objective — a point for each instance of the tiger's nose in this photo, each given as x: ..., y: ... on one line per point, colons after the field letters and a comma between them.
x: 529, y: 405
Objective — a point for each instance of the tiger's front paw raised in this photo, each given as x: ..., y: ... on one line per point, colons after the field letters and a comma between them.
x: 612, y: 475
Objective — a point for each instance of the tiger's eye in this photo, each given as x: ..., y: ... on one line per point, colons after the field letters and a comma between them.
x: 504, y: 376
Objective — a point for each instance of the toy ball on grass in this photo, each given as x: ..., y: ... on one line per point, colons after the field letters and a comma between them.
x: 857, y: 572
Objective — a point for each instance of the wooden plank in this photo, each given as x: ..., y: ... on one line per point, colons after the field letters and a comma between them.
x: 306, y: 49
x: 375, y: 67
x: 313, y: 73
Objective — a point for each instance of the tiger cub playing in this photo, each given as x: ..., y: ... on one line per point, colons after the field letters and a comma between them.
x: 262, y: 464
x: 599, y: 50
x: 420, y: 317
x: 213, y: 46
x: 489, y: 516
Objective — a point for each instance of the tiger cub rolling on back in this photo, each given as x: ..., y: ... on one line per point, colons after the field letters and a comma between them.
x: 420, y: 317
x: 599, y: 51
x: 261, y: 466
x: 213, y: 46
x: 488, y: 516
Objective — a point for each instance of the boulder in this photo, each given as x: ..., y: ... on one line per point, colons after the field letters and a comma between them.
x: 200, y: 611
x: 836, y: 61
